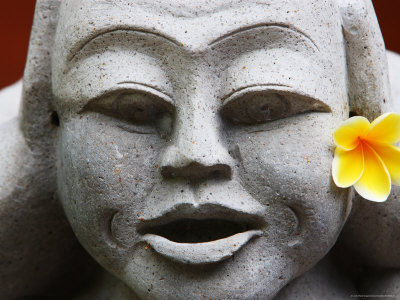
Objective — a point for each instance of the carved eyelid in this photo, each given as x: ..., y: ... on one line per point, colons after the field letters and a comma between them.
x: 269, y: 88
x: 243, y: 105
x: 145, y: 88
x: 130, y: 87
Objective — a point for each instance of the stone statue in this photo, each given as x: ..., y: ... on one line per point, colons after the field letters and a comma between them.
x: 188, y: 145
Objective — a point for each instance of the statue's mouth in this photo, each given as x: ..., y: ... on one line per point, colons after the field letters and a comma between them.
x: 199, y: 231
x: 202, y: 236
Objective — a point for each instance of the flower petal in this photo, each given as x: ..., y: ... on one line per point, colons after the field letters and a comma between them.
x: 375, y: 183
x: 346, y: 136
x: 385, y: 129
x: 347, y: 166
x: 390, y: 156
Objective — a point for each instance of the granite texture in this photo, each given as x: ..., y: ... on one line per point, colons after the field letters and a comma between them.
x: 188, y: 146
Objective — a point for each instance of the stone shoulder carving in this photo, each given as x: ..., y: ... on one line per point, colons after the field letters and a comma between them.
x: 188, y: 147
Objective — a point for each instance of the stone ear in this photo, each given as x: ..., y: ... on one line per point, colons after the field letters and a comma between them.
x: 38, y: 119
x: 368, y: 81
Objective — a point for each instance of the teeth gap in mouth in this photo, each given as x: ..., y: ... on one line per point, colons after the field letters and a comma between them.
x: 198, y: 231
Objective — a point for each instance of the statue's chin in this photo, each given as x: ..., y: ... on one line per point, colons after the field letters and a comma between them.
x: 153, y: 276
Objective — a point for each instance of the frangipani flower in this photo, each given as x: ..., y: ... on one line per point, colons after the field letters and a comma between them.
x: 365, y: 156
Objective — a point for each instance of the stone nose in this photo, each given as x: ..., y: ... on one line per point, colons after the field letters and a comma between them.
x: 196, y: 151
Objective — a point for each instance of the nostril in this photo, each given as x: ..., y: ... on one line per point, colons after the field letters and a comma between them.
x: 55, y: 121
x: 217, y: 174
x: 198, y: 172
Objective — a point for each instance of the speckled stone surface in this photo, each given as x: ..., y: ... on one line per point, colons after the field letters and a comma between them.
x: 373, y: 231
x: 323, y: 281
x: 188, y: 143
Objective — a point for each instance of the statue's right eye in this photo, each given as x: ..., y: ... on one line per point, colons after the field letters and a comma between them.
x: 136, y: 107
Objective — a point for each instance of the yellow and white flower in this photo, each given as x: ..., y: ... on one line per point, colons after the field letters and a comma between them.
x: 366, y: 157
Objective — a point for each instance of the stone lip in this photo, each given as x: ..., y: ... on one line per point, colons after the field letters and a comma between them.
x: 225, y: 211
x: 200, y: 253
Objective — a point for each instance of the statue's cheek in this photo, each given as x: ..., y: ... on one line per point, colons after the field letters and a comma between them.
x: 104, y: 171
x: 287, y: 168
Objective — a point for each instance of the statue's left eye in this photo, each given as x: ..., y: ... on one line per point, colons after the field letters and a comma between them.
x: 260, y: 106
x: 135, y: 107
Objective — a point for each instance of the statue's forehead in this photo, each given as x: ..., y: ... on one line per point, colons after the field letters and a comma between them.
x: 184, y: 8
x: 187, y: 9
x: 194, y: 23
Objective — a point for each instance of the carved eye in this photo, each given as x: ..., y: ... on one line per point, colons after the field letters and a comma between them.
x: 252, y: 107
x: 135, y: 107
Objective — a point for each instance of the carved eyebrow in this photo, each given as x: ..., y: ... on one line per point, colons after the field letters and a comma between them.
x: 251, y: 27
x: 75, y: 50
x: 254, y: 85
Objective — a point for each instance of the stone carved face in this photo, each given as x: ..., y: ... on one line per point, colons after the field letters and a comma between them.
x: 196, y: 140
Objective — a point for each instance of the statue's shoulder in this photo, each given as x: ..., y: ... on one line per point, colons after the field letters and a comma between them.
x: 10, y: 98
x: 394, y: 75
